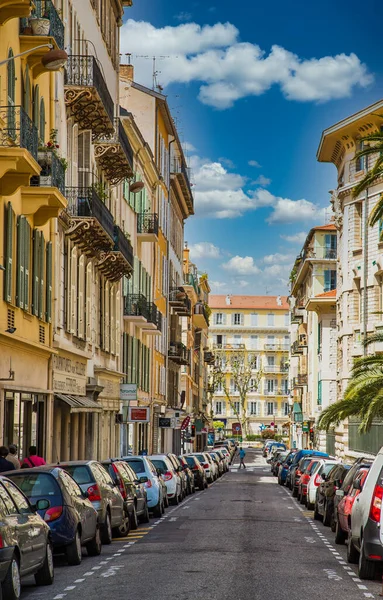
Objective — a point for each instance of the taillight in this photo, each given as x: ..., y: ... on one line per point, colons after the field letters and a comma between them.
x: 1, y: 542
x: 376, y: 504
x: 317, y: 480
x: 53, y: 513
x: 168, y: 475
x: 297, y: 473
x: 121, y: 486
x: 195, y: 468
x: 94, y: 493
x: 148, y: 484
x: 205, y: 465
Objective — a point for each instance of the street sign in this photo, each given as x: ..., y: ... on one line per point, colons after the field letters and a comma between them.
x: 185, y: 423
x: 236, y: 428
x: 305, y: 427
x: 164, y: 422
x: 138, y: 415
x: 128, y: 392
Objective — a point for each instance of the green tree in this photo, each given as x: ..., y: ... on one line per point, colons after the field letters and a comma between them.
x: 363, y: 397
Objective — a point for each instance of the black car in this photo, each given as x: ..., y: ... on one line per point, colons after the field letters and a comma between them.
x: 324, y: 501
x: 141, y: 498
x: 26, y: 547
x: 190, y: 489
x: 127, y: 487
x: 70, y: 515
x: 198, y: 472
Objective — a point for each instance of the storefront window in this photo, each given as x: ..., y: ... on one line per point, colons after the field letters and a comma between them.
x: 24, y: 418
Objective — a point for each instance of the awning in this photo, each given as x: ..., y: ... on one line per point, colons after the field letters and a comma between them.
x: 79, y: 404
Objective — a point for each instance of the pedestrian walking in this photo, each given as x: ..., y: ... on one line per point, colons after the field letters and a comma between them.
x: 12, y: 456
x: 32, y: 460
x: 242, y: 454
x: 5, y: 465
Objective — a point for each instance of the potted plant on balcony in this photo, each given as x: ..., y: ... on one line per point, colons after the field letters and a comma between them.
x: 40, y: 25
x: 44, y: 158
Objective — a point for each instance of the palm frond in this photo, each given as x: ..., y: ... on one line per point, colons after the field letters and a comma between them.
x: 371, y: 176
x: 375, y: 410
x: 377, y: 212
x: 373, y: 338
x: 337, y: 412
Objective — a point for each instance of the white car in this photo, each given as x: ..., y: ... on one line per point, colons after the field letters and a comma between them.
x: 207, y: 463
x: 323, y: 467
x: 365, y: 538
x: 171, y: 478
x: 226, y: 454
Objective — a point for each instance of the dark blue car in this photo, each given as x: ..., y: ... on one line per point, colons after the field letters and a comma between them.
x: 284, y: 467
x: 71, y: 516
x: 290, y: 477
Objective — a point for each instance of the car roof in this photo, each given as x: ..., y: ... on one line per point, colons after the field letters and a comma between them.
x: 75, y: 463
x: 43, y: 469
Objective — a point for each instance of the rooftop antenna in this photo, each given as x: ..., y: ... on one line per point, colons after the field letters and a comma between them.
x: 155, y: 84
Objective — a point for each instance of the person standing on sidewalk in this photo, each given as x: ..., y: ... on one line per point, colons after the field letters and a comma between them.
x: 242, y: 455
x: 32, y: 460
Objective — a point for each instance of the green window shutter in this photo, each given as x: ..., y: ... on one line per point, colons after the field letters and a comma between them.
x: 8, y: 234
x: 20, y: 273
x: 41, y: 275
x: 27, y: 265
x: 134, y: 355
x: 35, y: 275
x: 48, y: 278
x: 319, y: 393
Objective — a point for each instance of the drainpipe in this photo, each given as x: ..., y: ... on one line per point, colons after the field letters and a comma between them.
x: 365, y: 266
x: 167, y: 291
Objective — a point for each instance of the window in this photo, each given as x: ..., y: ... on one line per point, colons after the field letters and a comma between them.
x: 287, y: 319
x: 237, y: 319
x: 233, y: 387
x: 254, y: 319
x: 218, y: 408
x: 253, y: 385
x: 27, y: 92
x: 330, y: 246
x: 285, y: 386
x: 270, y: 361
x: 18, y: 498
x: 269, y: 386
x: 270, y: 408
x: 319, y: 337
x: 319, y: 393
x: 329, y: 280
x: 254, y: 342
x: 358, y: 209
x: 286, y: 409
x: 270, y: 319
x: 360, y: 163
x: 252, y: 408
x: 237, y: 339
x: 271, y: 342
x: 219, y: 319
x: 236, y: 407
x: 9, y: 504
x: 218, y: 387
x: 42, y: 120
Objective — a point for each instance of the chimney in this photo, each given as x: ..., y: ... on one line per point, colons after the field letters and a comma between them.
x: 228, y: 300
x: 127, y: 73
x: 279, y: 301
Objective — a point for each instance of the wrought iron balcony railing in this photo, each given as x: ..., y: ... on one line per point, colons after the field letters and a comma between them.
x: 136, y: 305
x: 179, y: 353
x: 154, y: 316
x: 85, y: 202
x: 114, y: 154
x: 179, y: 168
x: 190, y: 279
x: 179, y: 301
x: 19, y: 130
x: 125, y: 144
x: 52, y: 172
x: 147, y: 223
x: 199, y: 309
x: 123, y: 245
x: 45, y: 9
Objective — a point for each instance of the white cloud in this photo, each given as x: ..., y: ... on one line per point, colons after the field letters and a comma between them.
x: 183, y: 16
x: 254, y: 163
x: 204, y: 250
x: 262, y: 180
x: 241, y: 265
x: 229, y: 70
x: 295, y: 238
x: 217, y: 286
x: 291, y: 211
x: 188, y: 147
x: 277, y: 258
x: 227, y: 162
x: 242, y: 283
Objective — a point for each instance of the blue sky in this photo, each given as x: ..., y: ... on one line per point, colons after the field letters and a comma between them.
x: 252, y: 90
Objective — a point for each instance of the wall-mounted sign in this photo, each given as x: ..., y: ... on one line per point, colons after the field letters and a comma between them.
x: 138, y: 414
x: 185, y: 423
x: 165, y: 422
x: 128, y: 392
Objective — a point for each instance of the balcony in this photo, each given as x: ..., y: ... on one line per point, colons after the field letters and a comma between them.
x: 180, y: 172
x: 191, y: 280
x: 52, y: 172
x: 114, y: 154
x: 200, y: 316
x: 87, y: 97
x: 154, y: 321
x: 44, y: 21
x: 18, y: 149
x: 209, y: 358
x: 300, y: 381
x: 276, y: 347
x: 91, y: 225
x: 136, y: 309
x: 296, y: 315
x: 229, y: 347
x: 147, y: 227
x: 14, y: 9
x: 179, y: 301
x: 275, y: 368
x: 119, y: 262
x: 296, y: 348
x: 178, y: 353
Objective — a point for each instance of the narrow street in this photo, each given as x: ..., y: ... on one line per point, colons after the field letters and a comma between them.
x: 244, y: 537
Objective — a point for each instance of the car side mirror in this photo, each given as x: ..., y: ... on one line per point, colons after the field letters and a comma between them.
x: 159, y: 472
x: 136, y: 481
x: 42, y: 504
x: 356, y: 485
x: 143, y: 479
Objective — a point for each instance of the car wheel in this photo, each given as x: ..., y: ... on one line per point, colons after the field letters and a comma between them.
x: 340, y: 536
x: 326, y: 516
x: 123, y: 529
x: 299, y: 496
x: 366, y: 568
x: 295, y: 492
x: 175, y: 500
x: 162, y: 508
x: 133, y: 519
x: 12, y: 583
x: 166, y: 501
x: 145, y: 518
x: 310, y: 505
x: 73, y: 551
x: 317, y: 515
x: 106, y: 530
x: 280, y: 481
x: 302, y: 499
x: 94, y: 547
x: 157, y: 510
x: 46, y: 574
x: 352, y: 553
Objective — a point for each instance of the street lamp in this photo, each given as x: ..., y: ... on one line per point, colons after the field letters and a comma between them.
x: 52, y: 60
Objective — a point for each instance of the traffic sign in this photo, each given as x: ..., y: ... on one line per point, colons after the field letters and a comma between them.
x: 185, y: 423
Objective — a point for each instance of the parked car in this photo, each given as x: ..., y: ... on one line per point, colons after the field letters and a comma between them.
x: 226, y: 454
x: 177, y: 465
x: 299, y: 470
x: 345, y: 504
x: 277, y: 461
x: 189, y: 475
x: 144, y: 468
x: 206, y: 463
x: 169, y: 474
x: 305, y: 478
x: 225, y: 458
x: 141, y: 498
x: 219, y: 461
x: 26, y: 547
x: 365, y: 538
x: 322, y: 469
x: 290, y: 478
x: 71, y: 517
x: 198, y: 471
x: 272, y: 449
x: 324, y: 501
x: 103, y: 494
x: 284, y: 467
x: 127, y: 487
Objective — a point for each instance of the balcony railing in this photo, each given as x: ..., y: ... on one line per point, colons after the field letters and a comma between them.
x: 179, y: 353
x: 125, y: 144
x: 190, y: 279
x: 84, y: 72
x: 179, y: 300
x: 178, y: 167
x: 229, y: 346
x: 123, y: 245
x: 276, y: 347
x: 296, y: 348
x: 320, y: 253
x: 275, y: 368
x: 208, y: 357
x: 136, y: 305
x: 114, y: 154
x: 85, y: 202
x: 46, y: 10
x: 154, y: 316
x: 52, y: 172
x: 199, y: 309
x: 19, y: 130
x: 147, y: 223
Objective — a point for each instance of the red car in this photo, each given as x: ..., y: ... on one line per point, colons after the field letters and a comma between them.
x: 345, y: 507
x: 304, y: 480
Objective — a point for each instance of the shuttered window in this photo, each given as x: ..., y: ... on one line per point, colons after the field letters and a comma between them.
x: 118, y: 312
x: 20, y: 271
x: 9, y: 235
x: 81, y: 298
x: 38, y: 242
x: 113, y: 319
x: 106, y: 321
x: 88, y: 302
x: 48, y: 278
x: 84, y: 147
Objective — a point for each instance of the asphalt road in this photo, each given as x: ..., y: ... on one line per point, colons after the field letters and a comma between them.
x: 244, y: 538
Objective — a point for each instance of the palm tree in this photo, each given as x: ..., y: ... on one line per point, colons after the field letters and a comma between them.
x: 373, y: 144
x: 363, y: 397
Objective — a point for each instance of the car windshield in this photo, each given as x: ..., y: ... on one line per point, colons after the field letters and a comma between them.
x: 327, y: 468
x: 37, y: 484
x: 190, y: 461
x: 137, y: 465
x: 160, y: 464
x: 80, y: 473
x: 201, y: 458
x: 311, y: 467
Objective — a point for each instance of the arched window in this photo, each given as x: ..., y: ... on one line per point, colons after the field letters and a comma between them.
x: 36, y: 106
x: 42, y: 121
x: 27, y: 92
